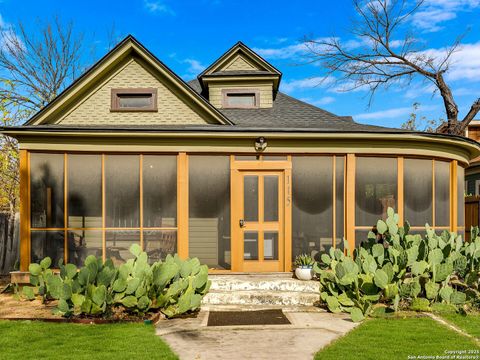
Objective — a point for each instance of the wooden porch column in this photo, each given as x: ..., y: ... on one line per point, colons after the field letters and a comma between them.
x: 182, y: 205
x: 24, y: 211
x: 350, y: 202
x: 453, y: 196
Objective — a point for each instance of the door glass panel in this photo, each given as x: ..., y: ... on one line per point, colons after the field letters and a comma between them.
x: 271, y: 198
x: 270, y: 245
x: 250, y: 199
x: 250, y: 245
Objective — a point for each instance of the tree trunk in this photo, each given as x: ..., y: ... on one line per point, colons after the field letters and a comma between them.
x: 451, y: 108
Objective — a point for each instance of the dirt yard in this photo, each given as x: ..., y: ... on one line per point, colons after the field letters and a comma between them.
x: 12, y: 308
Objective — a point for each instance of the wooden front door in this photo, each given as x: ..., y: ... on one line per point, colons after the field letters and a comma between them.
x: 259, y: 220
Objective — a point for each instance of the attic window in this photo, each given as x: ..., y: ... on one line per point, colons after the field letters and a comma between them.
x: 134, y: 99
x: 241, y: 99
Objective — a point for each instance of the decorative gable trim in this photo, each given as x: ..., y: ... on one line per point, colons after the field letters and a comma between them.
x: 127, y: 49
x: 240, y: 49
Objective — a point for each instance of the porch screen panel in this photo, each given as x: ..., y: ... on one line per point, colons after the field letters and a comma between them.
x: 47, y: 190
x: 82, y: 243
x: 312, y: 199
x: 442, y: 193
x: 118, y: 243
x: 418, y: 181
x: 122, y: 191
x: 159, y: 191
x: 84, y: 191
x: 47, y: 243
x: 375, y: 189
x: 339, y: 200
x: 209, y: 210
x: 159, y: 243
x: 461, y: 197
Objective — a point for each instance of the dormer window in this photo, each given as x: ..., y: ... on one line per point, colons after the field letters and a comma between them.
x: 134, y: 99
x: 241, y: 98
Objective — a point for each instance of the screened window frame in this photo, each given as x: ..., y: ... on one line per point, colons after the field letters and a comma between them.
x: 401, y: 196
x: 247, y: 91
x: 334, y: 222
x: 104, y: 229
x: 117, y: 93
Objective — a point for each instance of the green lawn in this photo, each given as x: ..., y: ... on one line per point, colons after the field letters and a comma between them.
x: 41, y: 340
x: 396, y: 339
x: 468, y: 323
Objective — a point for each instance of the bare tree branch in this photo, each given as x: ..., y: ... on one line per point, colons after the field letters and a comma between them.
x: 382, y: 58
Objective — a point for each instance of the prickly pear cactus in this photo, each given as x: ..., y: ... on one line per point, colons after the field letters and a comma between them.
x: 173, y: 286
x: 392, y: 265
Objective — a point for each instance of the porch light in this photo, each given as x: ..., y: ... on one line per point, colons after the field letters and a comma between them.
x: 260, y: 143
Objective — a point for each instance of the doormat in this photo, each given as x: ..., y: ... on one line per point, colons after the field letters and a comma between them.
x: 257, y: 317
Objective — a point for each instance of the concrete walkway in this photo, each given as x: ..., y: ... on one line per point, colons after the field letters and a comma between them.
x: 308, y: 333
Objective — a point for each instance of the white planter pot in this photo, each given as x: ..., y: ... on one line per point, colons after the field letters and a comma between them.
x: 304, y: 273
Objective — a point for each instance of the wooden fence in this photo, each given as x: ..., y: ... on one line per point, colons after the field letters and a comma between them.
x: 472, y: 214
x: 9, y: 250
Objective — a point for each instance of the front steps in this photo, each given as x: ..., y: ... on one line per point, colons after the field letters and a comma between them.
x: 261, y: 290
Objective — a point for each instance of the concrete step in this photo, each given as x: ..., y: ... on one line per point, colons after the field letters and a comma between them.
x: 261, y: 297
x: 261, y: 282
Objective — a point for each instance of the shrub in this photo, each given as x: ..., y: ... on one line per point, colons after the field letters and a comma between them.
x: 173, y: 286
x: 393, y: 266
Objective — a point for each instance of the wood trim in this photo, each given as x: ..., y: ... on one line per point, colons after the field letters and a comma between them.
x: 287, y: 219
x: 350, y: 201
x: 65, y: 207
x: 453, y: 196
x: 260, y: 165
x: 334, y: 201
x: 117, y: 93
x: 236, y: 206
x: 141, y: 200
x: 182, y: 205
x: 236, y: 142
x: 24, y: 210
x: 400, y: 190
x: 433, y: 194
x: 261, y: 213
x: 104, y: 241
x: 254, y: 92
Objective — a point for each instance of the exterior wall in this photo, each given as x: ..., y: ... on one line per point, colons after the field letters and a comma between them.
x: 239, y: 63
x: 265, y: 88
x: 95, y: 108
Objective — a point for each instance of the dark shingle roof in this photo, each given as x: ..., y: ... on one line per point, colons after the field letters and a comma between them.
x: 288, y: 112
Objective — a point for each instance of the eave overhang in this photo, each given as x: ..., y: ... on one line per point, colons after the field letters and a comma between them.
x: 233, y: 138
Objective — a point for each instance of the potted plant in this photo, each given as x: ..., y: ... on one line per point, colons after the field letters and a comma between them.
x: 304, y: 267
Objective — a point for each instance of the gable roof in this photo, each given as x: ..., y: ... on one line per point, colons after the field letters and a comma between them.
x: 128, y: 47
x: 260, y: 67
x: 288, y: 112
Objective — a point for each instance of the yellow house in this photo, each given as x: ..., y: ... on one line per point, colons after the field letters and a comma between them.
x: 225, y: 168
